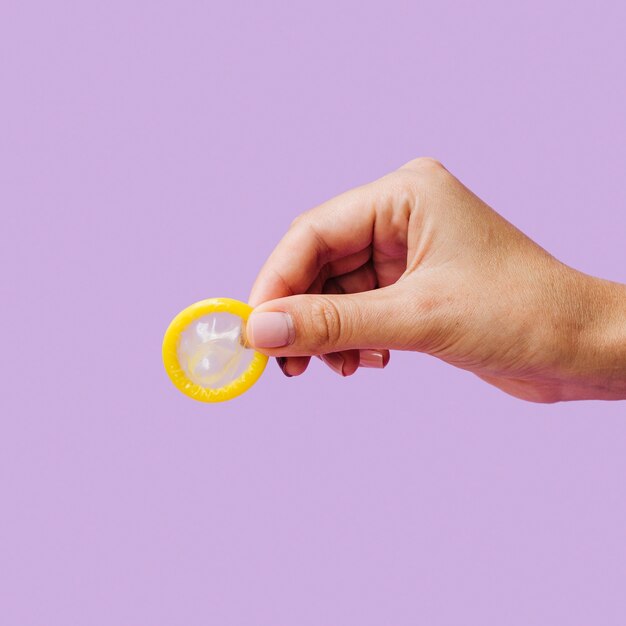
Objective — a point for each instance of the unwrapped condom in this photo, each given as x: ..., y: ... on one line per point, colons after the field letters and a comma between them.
x: 205, y: 354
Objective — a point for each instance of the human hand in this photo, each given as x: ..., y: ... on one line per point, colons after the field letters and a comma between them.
x: 416, y: 261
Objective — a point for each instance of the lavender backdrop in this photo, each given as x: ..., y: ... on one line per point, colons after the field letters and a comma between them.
x: 151, y: 154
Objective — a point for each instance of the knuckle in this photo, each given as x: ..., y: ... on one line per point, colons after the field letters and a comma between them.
x: 421, y: 176
x: 298, y: 221
x: 425, y: 166
x: 431, y: 164
x: 325, y: 329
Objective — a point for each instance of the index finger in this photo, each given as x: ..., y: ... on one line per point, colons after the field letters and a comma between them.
x: 335, y: 229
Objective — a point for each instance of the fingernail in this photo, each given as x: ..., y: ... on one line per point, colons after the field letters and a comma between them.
x: 270, y: 330
x: 373, y: 358
x: 335, y: 361
x: 282, y: 362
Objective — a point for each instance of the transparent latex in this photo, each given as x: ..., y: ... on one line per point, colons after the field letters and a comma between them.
x: 211, y: 350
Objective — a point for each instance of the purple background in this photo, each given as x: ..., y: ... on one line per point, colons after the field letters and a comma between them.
x: 151, y: 155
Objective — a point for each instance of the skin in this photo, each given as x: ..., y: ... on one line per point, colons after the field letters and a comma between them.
x: 416, y: 261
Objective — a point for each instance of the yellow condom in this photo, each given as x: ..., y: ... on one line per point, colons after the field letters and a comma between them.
x: 204, y: 351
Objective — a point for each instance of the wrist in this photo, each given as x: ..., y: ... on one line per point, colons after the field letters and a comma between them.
x: 598, y: 367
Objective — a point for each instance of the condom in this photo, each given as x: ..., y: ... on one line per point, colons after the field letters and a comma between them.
x: 205, y: 352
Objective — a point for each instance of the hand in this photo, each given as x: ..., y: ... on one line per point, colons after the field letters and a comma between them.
x: 415, y: 261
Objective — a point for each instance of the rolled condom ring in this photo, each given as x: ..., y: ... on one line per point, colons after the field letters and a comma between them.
x: 205, y: 352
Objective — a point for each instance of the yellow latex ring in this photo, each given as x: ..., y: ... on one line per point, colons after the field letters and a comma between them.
x: 176, y: 372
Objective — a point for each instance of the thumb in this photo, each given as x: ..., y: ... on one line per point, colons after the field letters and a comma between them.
x: 306, y: 325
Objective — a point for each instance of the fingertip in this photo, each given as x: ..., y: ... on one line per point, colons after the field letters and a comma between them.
x: 376, y: 359
x: 351, y: 362
x: 344, y: 363
x: 269, y: 329
x: 281, y: 361
x: 293, y: 365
